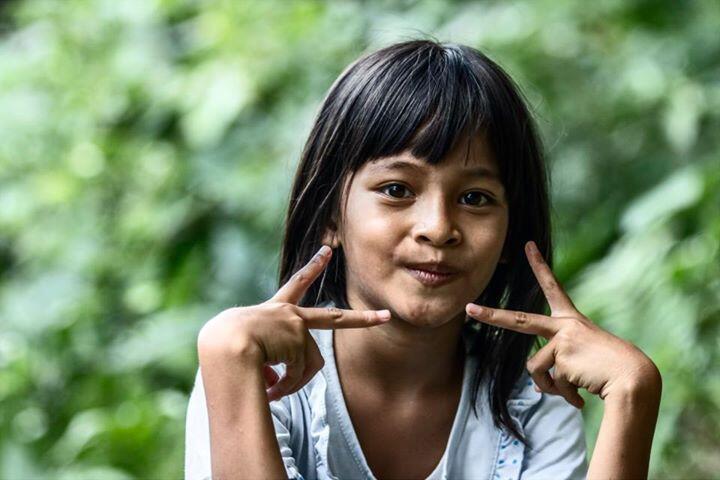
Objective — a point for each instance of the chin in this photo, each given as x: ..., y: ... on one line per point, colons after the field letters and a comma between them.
x: 426, y: 313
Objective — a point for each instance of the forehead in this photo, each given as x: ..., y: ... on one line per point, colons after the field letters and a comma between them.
x: 467, y: 158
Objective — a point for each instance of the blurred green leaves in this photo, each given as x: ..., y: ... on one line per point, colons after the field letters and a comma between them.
x: 146, y: 152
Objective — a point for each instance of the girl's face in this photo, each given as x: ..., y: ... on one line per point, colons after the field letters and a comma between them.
x: 402, y: 212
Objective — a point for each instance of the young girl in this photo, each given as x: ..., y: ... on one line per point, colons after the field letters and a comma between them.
x: 421, y: 194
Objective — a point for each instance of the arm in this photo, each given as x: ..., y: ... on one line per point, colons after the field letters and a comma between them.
x: 623, y: 446
x: 242, y: 437
x: 234, y: 348
x: 586, y: 356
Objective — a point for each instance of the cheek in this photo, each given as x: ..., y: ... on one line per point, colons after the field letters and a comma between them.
x: 486, y: 244
x: 488, y: 239
x: 371, y: 239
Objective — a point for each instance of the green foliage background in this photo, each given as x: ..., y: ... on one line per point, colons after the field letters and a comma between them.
x: 146, y: 152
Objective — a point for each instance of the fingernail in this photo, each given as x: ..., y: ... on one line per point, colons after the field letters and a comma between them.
x: 324, y: 251
x: 383, y: 314
x: 473, y: 309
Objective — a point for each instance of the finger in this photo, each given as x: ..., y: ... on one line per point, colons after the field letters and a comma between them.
x: 569, y: 391
x: 297, y: 285
x: 270, y: 375
x: 558, y: 300
x: 293, y: 374
x: 314, y: 362
x: 539, y: 365
x: 530, y: 323
x: 332, y: 317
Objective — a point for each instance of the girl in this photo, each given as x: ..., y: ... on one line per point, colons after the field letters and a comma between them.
x: 421, y: 195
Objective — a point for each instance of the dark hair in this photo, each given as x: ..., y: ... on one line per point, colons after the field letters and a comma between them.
x: 426, y: 96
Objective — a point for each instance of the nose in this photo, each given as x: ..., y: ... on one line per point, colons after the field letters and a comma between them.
x: 435, y: 224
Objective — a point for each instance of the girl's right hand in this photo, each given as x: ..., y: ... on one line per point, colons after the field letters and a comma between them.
x: 277, y: 330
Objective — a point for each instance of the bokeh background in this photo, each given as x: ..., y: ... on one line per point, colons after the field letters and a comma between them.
x: 146, y: 154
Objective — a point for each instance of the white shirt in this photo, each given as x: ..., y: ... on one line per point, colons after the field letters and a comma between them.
x: 317, y: 439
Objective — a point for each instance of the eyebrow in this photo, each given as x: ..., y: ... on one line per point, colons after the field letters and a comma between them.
x: 478, y: 172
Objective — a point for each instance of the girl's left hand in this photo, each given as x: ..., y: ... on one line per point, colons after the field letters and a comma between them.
x: 584, y: 355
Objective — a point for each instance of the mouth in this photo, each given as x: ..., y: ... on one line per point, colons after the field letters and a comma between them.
x: 431, y: 279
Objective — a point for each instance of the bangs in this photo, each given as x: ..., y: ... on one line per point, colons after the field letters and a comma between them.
x: 424, y: 100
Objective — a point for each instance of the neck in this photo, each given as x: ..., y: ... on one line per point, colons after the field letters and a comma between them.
x: 401, y: 359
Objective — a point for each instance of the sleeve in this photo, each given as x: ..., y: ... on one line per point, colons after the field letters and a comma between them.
x: 557, y: 441
x: 197, y: 434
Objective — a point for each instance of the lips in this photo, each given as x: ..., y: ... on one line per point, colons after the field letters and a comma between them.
x: 431, y: 279
x: 433, y: 267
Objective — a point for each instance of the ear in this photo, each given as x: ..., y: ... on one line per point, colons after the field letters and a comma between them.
x: 330, y: 237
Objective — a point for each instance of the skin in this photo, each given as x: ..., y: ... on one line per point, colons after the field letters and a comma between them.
x: 394, y: 217
x: 434, y: 219
x: 380, y: 234
x: 234, y: 350
x: 436, y: 212
x: 586, y: 356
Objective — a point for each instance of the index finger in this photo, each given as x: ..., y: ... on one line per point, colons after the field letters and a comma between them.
x: 557, y: 298
x: 332, y: 317
x: 297, y: 285
x: 530, y: 323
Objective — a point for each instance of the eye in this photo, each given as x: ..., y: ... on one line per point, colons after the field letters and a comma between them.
x: 396, y: 187
x: 477, y: 194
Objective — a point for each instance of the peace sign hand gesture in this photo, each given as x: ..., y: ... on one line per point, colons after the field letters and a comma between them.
x: 584, y: 355
x: 277, y: 330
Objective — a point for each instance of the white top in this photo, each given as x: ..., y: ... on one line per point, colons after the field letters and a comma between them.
x: 317, y: 439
